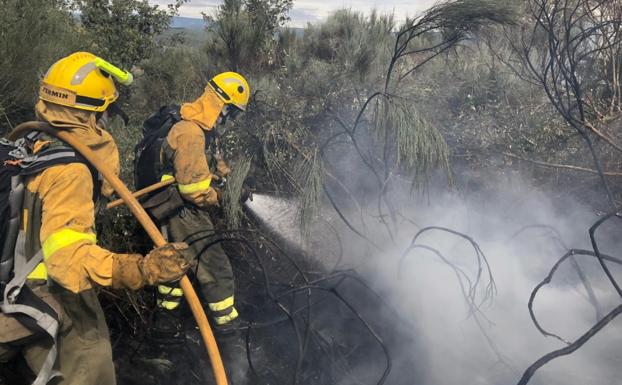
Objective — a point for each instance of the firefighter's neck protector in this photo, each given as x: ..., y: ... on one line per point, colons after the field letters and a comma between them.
x: 83, y: 81
x: 84, y: 127
x: 205, y: 110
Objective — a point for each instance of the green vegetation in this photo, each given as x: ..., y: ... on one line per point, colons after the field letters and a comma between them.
x: 123, y: 31
x: 352, y: 106
x: 241, y: 31
x: 25, y: 55
x: 354, y: 112
x: 35, y: 33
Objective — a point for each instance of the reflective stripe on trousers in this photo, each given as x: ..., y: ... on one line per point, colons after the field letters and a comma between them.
x: 224, y: 319
x: 169, y: 297
x: 223, y: 311
x: 221, y: 305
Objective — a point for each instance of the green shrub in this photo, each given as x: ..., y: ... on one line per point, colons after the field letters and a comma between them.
x: 33, y: 34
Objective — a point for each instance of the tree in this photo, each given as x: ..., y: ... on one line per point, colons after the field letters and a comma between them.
x: 571, y: 49
x: 268, y: 15
x: 124, y: 31
x: 242, y: 31
x: 404, y: 142
x: 338, y: 116
x: 30, y: 41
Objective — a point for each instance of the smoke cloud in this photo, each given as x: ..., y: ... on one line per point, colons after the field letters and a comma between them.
x: 522, y: 232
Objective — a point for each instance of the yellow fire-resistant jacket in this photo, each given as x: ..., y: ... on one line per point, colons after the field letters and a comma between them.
x: 185, y: 149
x: 58, y: 211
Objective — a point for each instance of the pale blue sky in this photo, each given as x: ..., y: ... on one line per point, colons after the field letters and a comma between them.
x: 310, y: 10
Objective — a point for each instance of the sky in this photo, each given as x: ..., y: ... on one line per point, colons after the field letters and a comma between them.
x: 312, y: 11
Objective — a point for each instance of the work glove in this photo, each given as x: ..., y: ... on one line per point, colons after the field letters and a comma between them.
x: 222, y: 169
x: 162, y: 264
x: 210, y: 198
x: 219, y: 182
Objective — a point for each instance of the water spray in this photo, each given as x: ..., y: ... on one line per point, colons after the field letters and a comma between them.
x: 276, y: 215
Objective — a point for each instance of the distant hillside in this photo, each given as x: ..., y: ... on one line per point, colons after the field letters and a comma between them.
x: 180, y: 22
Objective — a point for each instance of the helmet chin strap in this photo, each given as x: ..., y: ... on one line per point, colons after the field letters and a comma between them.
x: 228, y: 111
x: 224, y: 114
x: 115, y: 109
x: 222, y: 119
x: 112, y: 111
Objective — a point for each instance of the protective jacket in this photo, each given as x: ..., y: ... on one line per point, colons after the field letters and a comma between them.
x: 58, y: 217
x: 184, y: 150
x: 59, y: 212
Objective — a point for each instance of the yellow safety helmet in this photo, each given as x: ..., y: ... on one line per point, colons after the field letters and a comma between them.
x: 84, y: 81
x: 232, y: 89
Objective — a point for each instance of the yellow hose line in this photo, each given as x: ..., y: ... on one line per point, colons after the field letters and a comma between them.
x: 151, y: 229
x: 139, y: 193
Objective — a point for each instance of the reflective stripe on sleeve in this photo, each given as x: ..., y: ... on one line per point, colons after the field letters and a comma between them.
x: 40, y: 272
x: 222, y: 305
x: 64, y: 238
x: 166, y: 177
x: 195, y: 187
x: 226, y: 318
x: 172, y: 291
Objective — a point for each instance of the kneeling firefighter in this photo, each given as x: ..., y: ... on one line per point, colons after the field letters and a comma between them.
x: 183, y: 142
x: 65, y: 340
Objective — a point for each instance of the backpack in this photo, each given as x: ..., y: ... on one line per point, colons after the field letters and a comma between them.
x: 148, y: 167
x: 16, y: 162
x: 147, y: 162
x: 17, y: 300
x: 9, y: 213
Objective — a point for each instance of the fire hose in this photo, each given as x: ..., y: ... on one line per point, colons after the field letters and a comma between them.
x: 151, y: 229
x: 140, y: 193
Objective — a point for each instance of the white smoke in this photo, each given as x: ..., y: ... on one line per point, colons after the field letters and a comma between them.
x: 456, y: 351
x: 450, y: 348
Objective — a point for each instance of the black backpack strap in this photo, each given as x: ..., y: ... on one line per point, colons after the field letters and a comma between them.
x: 211, y: 137
x: 147, y: 162
x: 56, y: 155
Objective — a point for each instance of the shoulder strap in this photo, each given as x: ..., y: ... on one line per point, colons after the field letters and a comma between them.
x: 17, y: 300
x: 45, y: 319
x: 60, y: 153
x: 7, y: 251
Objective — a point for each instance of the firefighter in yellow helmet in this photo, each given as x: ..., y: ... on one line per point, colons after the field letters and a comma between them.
x: 77, y: 94
x: 189, y: 150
